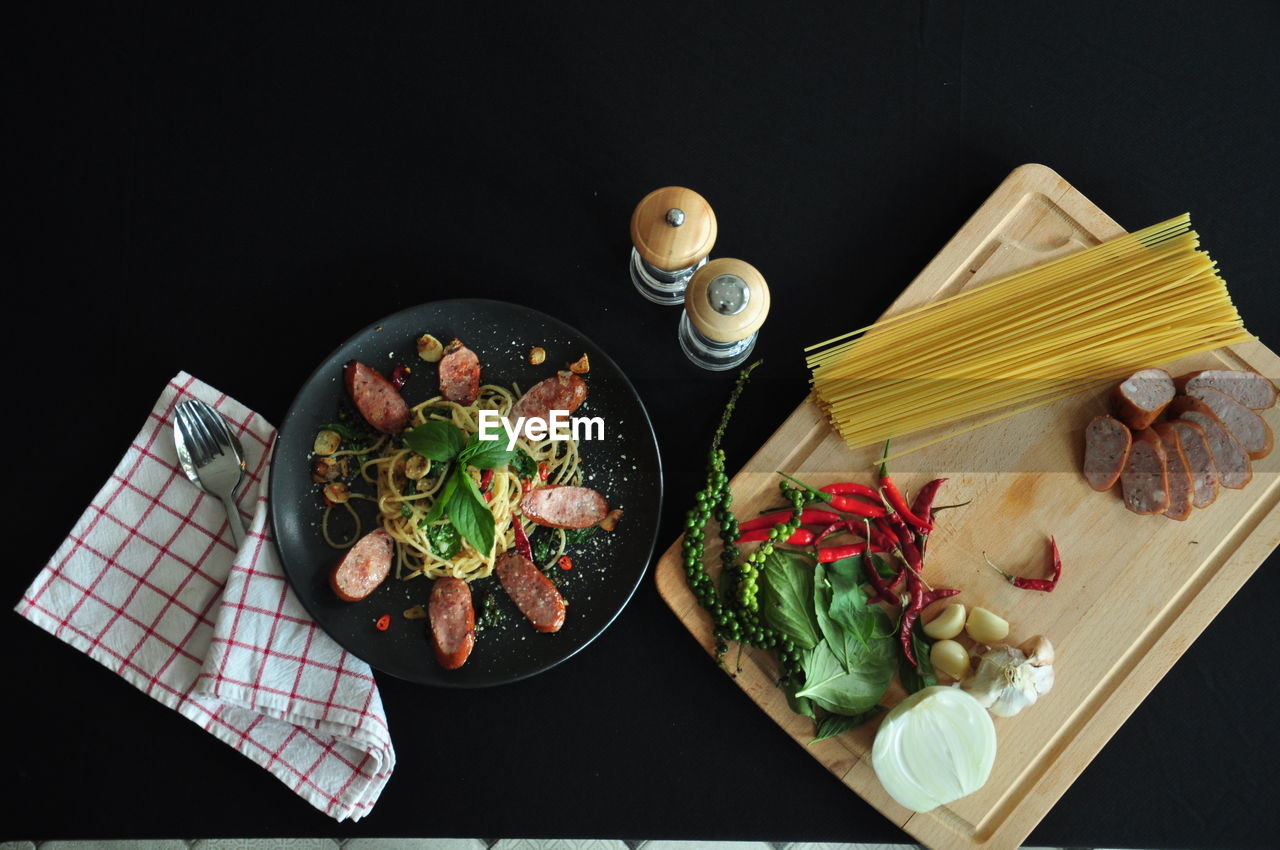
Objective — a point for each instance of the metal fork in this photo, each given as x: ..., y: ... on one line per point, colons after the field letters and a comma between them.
x: 211, y: 456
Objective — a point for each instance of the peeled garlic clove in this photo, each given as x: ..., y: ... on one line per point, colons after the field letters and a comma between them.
x: 948, y: 624
x: 985, y: 627
x: 951, y: 658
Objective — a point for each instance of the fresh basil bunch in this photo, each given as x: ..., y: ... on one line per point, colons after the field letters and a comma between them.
x: 460, y: 500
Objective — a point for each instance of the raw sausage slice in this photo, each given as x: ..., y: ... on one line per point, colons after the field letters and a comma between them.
x: 561, y: 506
x: 364, y: 566
x: 459, y: 373
x: 1143, y: 396
x: 533, y: 593
x: 1249, y: 429
x: 377, y: 400
x: 1106, y: 447
x: 563, y: 391
x: 1234, y: 469
x: 1181, y: 489
x: 1145, y: 479
x: 1204, y: 474
x: 1249, y: 388
x: 453, y: 622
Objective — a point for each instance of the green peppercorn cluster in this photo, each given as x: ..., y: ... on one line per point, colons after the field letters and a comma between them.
x: 735, y: 609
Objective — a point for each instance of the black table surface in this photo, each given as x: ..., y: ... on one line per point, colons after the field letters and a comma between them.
x: 233, y: 189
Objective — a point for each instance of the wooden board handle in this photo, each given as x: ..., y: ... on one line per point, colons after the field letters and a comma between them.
x: 673, y: 228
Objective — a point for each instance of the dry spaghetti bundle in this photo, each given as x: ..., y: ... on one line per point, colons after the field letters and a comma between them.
x: 1027, y: 339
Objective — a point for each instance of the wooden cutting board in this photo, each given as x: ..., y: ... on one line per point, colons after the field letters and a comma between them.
x: 1136, y: 590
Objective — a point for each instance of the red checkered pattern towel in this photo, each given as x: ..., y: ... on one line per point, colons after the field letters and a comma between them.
x: 150, y: 585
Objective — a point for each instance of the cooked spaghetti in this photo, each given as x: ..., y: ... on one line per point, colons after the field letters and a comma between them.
x: 408, y: 486
x: 1027, y: 339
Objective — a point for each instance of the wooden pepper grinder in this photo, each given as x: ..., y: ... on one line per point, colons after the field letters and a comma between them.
x: 725, y: 305
x: 672, y: 231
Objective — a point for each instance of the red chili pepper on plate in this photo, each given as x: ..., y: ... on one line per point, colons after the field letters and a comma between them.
x: 809, y: 516
x: 486, y: 479
x: 542, y: 471
x: 1044, y: 584
x: 399, y: 375
x: 801, y: 537
x: 522, y: 539
x: 565, y: 562
x: 384, y: 622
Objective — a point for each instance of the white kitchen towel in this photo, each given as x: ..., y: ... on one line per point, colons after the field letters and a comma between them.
x: 149, y: 584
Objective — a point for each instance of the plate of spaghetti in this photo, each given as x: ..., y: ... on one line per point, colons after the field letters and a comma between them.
x: 466, y: 493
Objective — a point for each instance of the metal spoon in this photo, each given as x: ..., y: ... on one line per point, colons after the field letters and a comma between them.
x: 211, y: 456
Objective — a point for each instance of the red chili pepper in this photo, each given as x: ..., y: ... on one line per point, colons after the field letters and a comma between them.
x: 522, y: 540
x: 827, y: 554
x: 809, y: 516
x: 526, y: 484
x: 801, y: 537
x: 384, y: 622
x: 915, y: 605
x: 933, y: 596
x: 1044, y: 584
x: 850, y: 488
x: 836, y: 528
x: 486, y: 478
x: 844, y: 504
x: 884, y: 589
x: 894, y: 497
x: 923, y: 504
x: 910, y: 551
x: 565, y: 562
x: 542, y: 471
x: 399, y: 375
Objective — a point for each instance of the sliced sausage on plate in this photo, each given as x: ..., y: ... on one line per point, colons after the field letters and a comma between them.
x: 453, y: 622
x: 1106, y: 447
x: 1145, y: 479
x: 1181, y: 488
x: 531, y: 591
x: 374, y: 396
x: 364, y: 566
x: 1249, y: 429
x: 562, y: 391
x: 1204, y: 473
x: 459, y: 373
x: 1234, y: 468
x: 1249, y: 388
x: 1142, y: 397
x: 563, y: 506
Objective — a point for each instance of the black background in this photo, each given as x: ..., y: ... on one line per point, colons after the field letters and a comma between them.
x: 233, y: 189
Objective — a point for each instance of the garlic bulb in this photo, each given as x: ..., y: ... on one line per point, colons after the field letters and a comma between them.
x: 1008, y: 680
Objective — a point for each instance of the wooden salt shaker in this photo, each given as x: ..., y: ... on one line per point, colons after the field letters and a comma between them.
x: 726, y: 303
x: 672, y: 232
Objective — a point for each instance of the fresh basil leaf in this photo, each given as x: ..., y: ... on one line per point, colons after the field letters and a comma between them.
x: 443, y: 539
x: 442, y: 501
x: 917, y: 679
x: 845, y: 643
x: 788, y: 597
x: 849, y: 608
x: 800, y: 705
x: 486, y: 454
x: 524, y: 465
x: 470, y: 513
x: 842, y: 691
x: 837, y: 724
x: 435, y: 440
x: 574, y: 536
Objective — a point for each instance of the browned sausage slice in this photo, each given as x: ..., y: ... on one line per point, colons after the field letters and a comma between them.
x: 1204, y: 473
x: 562, y: 506
x: 533, y: 593
x: 377, y: 400
x: 1143, y: 396
x: 459, y: 373
x: 1145, y: 479
x: 1234, y: 469
x: 1249, y: 429
x: 364, y: 566
x: 1249, y: 388
x: 1181, y: 488
x: 1106, y: 448
x: 453, y: 622
x: 563, y: 391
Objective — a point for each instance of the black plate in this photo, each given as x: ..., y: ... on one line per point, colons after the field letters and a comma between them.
x: 607, y: 568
